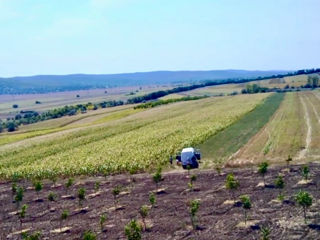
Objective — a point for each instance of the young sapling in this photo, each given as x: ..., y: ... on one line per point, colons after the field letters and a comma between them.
x: 279, y: 183
x: 152, y: 199
x: 304, y: 199
x: 157, y: 177
x: 64, y: 216
x: 262, y: 169
x: 115, y: 192
x: 193, y: 209
x: 144, y: 210
x: 22, y: 213
x: 19, y: 196
x: 232, y: 184
x: 133, y: 230
x: 81, y: 195
x: 103, y: 219
x: 246, y: 204
x: 89, y: 235
x: 37, y: 187
x: 305, y: 172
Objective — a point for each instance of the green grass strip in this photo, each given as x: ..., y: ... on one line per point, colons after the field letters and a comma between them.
x: 228, y: 141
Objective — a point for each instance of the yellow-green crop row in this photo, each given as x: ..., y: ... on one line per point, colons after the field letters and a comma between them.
x: 138, y: 142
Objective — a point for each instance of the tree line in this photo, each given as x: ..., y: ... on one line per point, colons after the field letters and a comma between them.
x: 28, y: 117
x: 162, y: 93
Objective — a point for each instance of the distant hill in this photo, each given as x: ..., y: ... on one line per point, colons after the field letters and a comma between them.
x: 54, y: 83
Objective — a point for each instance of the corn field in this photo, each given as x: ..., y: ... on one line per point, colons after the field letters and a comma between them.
x: 136, y: 143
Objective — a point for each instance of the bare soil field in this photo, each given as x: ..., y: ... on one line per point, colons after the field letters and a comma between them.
x: 218, y: 216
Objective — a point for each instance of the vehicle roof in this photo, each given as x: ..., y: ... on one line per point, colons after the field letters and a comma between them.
x: 190, y: 149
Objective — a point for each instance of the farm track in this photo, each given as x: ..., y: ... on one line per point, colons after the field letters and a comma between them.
x: 303, y: 152
x: 170, y: 218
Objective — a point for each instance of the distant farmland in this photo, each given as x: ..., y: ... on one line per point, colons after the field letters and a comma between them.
x: 138, y: 141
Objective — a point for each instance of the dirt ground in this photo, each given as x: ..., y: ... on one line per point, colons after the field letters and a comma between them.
x: 218, y: 217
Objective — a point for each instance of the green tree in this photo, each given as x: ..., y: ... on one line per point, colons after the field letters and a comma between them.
x: 262, y: 169
x: 304, y: 199
x: 133, y: 230
x: 193, y: 209
x: 232, y: 184
x: 246, y: 204
x: 11, y: 126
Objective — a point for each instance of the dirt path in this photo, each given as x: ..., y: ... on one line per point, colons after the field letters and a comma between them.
x: 304, y: 151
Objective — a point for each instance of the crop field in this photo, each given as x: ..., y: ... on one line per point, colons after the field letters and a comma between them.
x: 60, y: 99
x: 137, y: 142
x: 218, y: 148
x: 294, y: 130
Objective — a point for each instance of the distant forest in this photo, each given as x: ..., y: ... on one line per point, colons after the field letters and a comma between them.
x: 158, y: 94
x: 60, y: 83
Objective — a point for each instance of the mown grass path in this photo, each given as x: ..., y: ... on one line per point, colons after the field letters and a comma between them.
x: 219, y: 147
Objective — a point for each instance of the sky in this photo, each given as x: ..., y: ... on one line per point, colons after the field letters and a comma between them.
x: 116, y: 36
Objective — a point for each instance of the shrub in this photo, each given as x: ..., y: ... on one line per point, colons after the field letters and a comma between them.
x: 262, y: 169
x: 144, y: 210
x: 15, y: 106
x: 232, y: 183
x: 133, y: 230
x: 89, y: 235
x: 194, y: 207
x: 81, y: 195
x: 246, y: 204
x: 304, y: 199
x: 193, y: 178
x: 305, y: 172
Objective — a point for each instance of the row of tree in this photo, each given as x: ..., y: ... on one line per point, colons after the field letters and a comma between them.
x: 28, y: 117
x: 162, y: 93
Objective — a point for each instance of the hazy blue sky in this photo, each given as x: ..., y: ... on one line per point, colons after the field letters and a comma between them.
x: 111, y: 36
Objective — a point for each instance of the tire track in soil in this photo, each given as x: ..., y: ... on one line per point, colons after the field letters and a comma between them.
x: 304, y: 151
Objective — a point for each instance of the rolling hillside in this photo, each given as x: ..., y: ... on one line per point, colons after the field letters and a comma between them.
x: 54, y: 83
